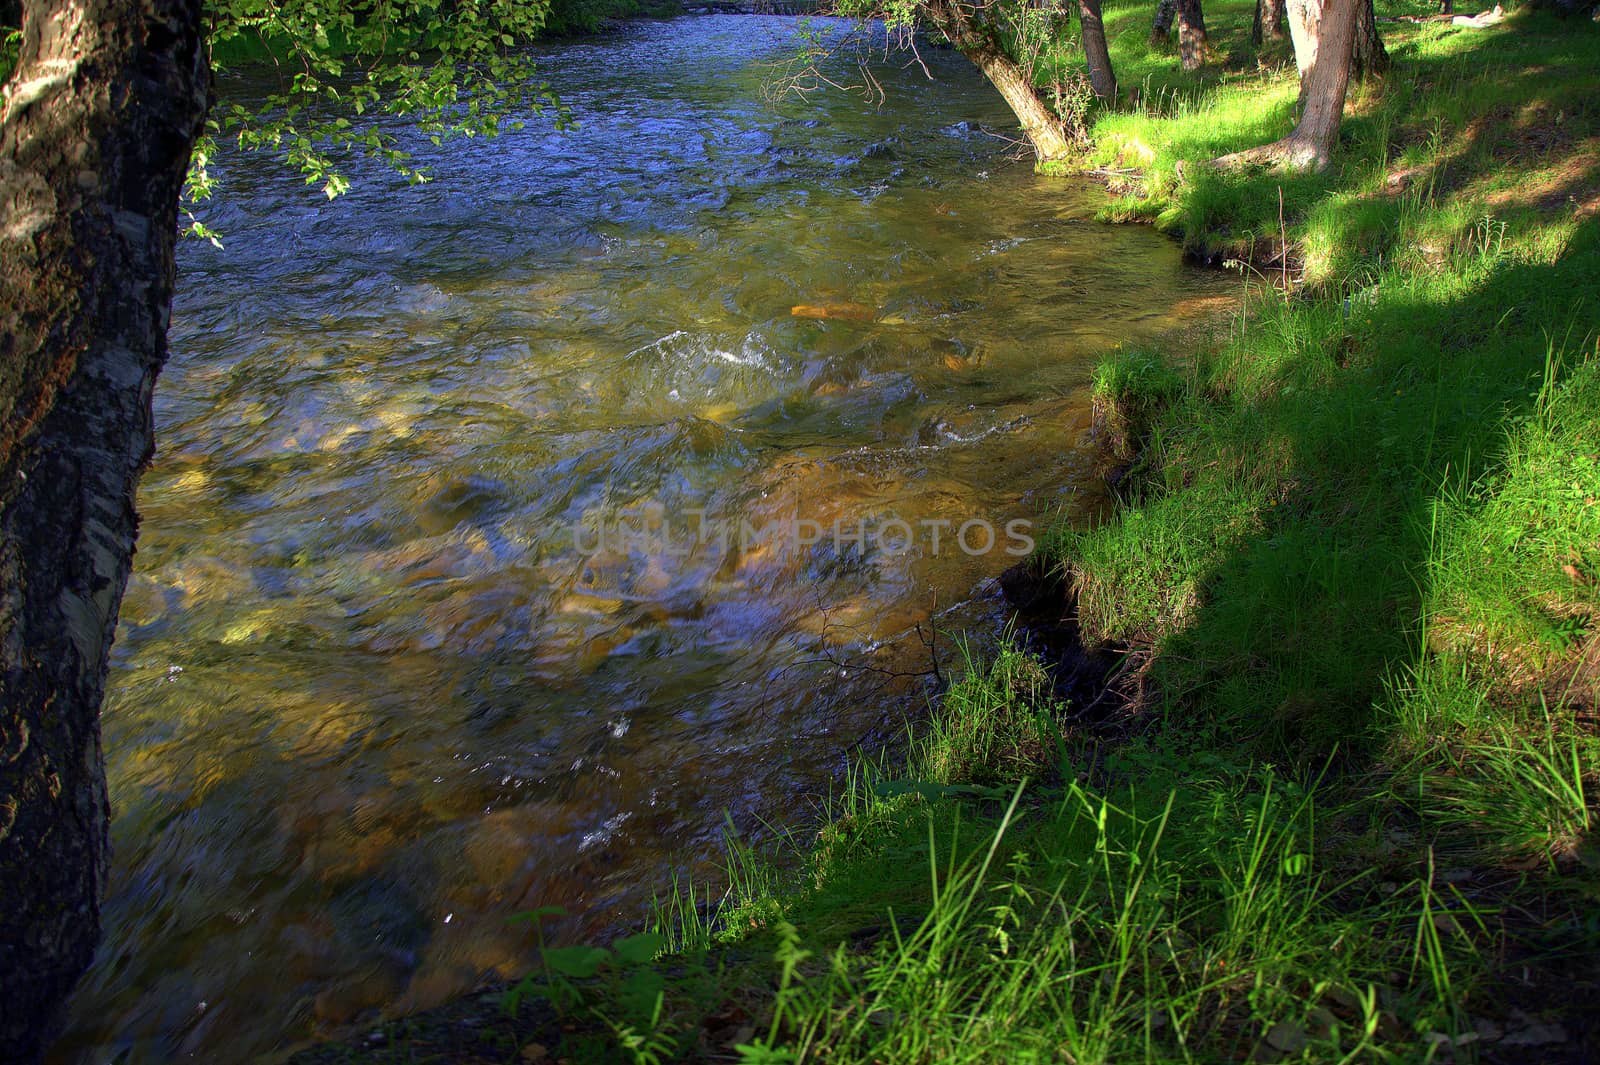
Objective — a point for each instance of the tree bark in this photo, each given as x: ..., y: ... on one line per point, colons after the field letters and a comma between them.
x: 1368, y: 57
x: 1367, y: 53
x: 1194, y: 47
x: 1324, y: 29
x: 1269, y: 24
x: 1303, y: 16
x: 1317, y: 135
x: 1161, y: 26
x: 1051, y: 136
x: 1102, y: 78
x: 95, y: 131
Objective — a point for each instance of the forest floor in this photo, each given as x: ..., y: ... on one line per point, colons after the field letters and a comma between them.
x: 1339, y: 799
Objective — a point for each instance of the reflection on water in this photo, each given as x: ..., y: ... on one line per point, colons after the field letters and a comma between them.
x: 380, y: 682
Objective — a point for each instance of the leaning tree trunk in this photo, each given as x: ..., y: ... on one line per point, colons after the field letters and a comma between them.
x: 1368, y: 57
x: 1161, y: 26
x: 1101, y: 76
x: 1194, y: 47
x: 1043, y: 127
x: 1050, y: 135
x: 1269, y: 24
x: 95, y: 132
x: 1324, y: 30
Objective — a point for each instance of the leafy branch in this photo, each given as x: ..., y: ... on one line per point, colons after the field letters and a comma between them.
x: 451, y: 68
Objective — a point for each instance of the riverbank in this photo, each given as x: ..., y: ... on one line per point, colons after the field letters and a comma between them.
x: 1340, y: 801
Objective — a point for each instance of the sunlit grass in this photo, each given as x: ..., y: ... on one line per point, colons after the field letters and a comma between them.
x: 1181, y: 909
x: 1458, y: 103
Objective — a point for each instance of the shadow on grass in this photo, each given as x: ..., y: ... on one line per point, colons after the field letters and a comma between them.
x: 1276, y: 561
x: 1316, y: 473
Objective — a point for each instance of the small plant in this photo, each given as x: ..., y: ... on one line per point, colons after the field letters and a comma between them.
x: 998, y: 723
x: 686, y: 918
x: 10, y: 47
x: 620, y: 977
x: 789, y: 956
x: 1481, y: 243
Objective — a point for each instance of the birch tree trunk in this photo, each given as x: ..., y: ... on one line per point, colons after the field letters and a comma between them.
x: 1367, y: 53
x: 1303, y: 15
x: 96, y: 126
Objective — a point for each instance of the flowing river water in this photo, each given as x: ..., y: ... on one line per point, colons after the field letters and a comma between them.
x: 473, y: 572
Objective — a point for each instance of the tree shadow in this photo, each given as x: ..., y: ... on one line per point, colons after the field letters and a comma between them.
x: 1321, y: 440
x: 1343, y: 446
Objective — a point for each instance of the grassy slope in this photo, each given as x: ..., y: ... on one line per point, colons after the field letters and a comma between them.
x: 1356, y: 570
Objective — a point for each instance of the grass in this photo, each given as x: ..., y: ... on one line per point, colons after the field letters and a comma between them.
x: 1177, y: 907
x: 1351, y: 814
x: 1466, y: 111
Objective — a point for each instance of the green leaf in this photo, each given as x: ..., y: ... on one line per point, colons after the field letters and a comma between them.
x: 511, y: 998
x: 578, y: 962
x: 640, y: 948
x: 641, y: 992
x: 536, y: 915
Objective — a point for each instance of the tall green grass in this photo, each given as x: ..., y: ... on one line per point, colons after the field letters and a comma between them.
x: 1179, y: 909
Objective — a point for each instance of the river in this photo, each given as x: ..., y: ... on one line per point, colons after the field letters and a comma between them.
x: 509, y: 534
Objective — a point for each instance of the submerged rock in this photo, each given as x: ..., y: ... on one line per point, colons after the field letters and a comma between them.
x: 855, y: 312
x: 461, y: 499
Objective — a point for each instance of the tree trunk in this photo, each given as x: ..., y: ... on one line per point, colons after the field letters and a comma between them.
x: 1269, y: 24
x: 1317, y: 135
x: 1303, y: 32
x: 1043, y: 127
x: 1161, y: 27
x: 1194, y: 47
x: 1368, y: 57
x: 1101, y: 77
x: 95, y: 133
x: 1046, y: 131
x: 1324, y: 31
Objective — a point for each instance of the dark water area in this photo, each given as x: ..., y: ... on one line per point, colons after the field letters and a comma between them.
x: 508, y: 534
